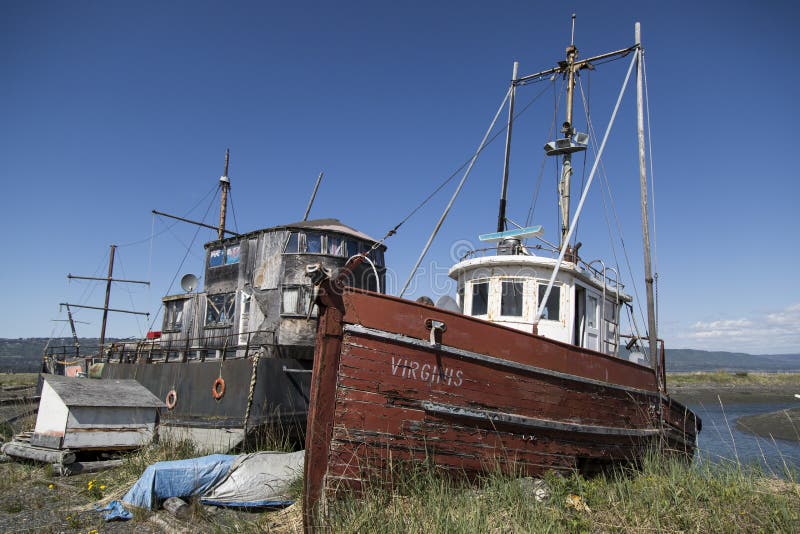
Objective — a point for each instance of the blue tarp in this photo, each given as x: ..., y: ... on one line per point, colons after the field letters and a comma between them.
x: 178, y: 478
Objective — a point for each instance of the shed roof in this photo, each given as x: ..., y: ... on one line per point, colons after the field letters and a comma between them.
x: 102, y: 392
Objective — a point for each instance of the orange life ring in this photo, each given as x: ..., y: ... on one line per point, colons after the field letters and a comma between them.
x: 171, y: 399
x: 218, y: 388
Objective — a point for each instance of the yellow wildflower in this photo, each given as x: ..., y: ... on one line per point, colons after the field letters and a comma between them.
x: 50, y: 486
x: 102, y: 487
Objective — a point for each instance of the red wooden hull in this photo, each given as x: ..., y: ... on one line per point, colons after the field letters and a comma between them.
x: 480, y: 397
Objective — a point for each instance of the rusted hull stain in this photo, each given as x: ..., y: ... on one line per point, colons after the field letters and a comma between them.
x: 486, y: 397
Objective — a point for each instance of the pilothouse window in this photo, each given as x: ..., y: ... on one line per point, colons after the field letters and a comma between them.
x: 552, y: 311
x: 480, y: 298
x: 219, y: 309
x: 511, y: 299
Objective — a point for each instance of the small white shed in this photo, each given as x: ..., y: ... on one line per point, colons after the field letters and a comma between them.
x: 84, y: 413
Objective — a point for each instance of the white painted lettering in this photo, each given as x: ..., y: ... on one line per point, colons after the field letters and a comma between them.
x: 458, y: 381
x: 414, y: 367
x: 395, y: 365
x: 424, y: 373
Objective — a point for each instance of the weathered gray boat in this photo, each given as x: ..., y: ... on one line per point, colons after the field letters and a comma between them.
x: 236, y: 357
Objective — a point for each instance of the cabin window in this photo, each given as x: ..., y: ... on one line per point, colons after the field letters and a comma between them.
x: 377, y: 256
x: 460, y: 295
x: 216, y: 258
x: 292, y: 243
x: 294, y: 301
x: 335, y: 246
x: 173, y: 315
x: 224, y: 256
x: 232, y: 254
x: 219, y: 309
x: 314, y: 243
x: 552, y: 310
x: 511, y: 298
x: 480, y: 298
x: 591, y: 312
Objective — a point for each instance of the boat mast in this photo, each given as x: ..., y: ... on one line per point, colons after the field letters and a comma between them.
x: 648, y: 274
x: 568, y: 130
x: 108, y: 295
x: 501, y: 215
x: 223, y: 202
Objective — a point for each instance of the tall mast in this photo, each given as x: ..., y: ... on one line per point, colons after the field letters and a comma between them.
x: 648, y: 273
x: 501, y: 215
x: 108, y: 295
x: 223, y: 202
x: 567, y: 129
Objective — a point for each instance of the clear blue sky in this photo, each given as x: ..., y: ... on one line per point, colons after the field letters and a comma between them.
x: 111, y: 109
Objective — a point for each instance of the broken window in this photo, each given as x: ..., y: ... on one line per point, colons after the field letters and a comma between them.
x: 511, y: 299
x: 552, y: 310
x: 219, y: 309
x: 173, y: 315
x: 292, y: 244
x: 480, y: 298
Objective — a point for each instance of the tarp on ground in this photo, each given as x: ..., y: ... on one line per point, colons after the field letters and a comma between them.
x: 178, y: 478
x: 257, y: 480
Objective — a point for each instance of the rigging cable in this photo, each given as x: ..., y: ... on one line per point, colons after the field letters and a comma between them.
x: 173, y: 223
x: 550, y: 135
x: 458, y: 189
x: 652, y: 183
x: 441, y: 186
x: 233, y: 210
x: 188, y: 250
x: 604, y: 176
x: 117, y: 261
x: 586, y: 100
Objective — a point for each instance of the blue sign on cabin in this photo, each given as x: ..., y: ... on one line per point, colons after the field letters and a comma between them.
x: 216, y: 258
x: 232, y: 255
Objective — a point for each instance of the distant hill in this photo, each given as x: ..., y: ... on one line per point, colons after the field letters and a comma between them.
x: 24, y: 355
x: 686, y: 360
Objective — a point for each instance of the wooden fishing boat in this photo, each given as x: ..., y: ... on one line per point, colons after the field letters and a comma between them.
x: 526, y: 375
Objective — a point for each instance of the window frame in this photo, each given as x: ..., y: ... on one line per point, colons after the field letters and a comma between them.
x: 228, y: 305
x: 522, y: 307
x: 541, y: 287
x: 472, y: 285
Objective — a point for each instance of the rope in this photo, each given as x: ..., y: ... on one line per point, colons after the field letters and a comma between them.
x: 251, y: 392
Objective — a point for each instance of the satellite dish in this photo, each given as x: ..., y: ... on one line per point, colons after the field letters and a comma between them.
x: 189, y: 282
x: 447, y: 303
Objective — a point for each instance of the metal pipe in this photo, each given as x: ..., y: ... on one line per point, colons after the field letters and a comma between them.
x: 313, y: 196
x: 99, y: 308
x: 643, y: 193
x: 71, y: 276
x: 204, y: 225
x: 501, y: 215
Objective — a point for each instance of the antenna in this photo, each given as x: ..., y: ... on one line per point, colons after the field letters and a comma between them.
x: 313, y: 196
x: 572, y: 40
x: 189, y: 282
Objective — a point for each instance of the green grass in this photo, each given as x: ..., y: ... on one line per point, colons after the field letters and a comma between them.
x: 664, y: 496
x: 737, y: 378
